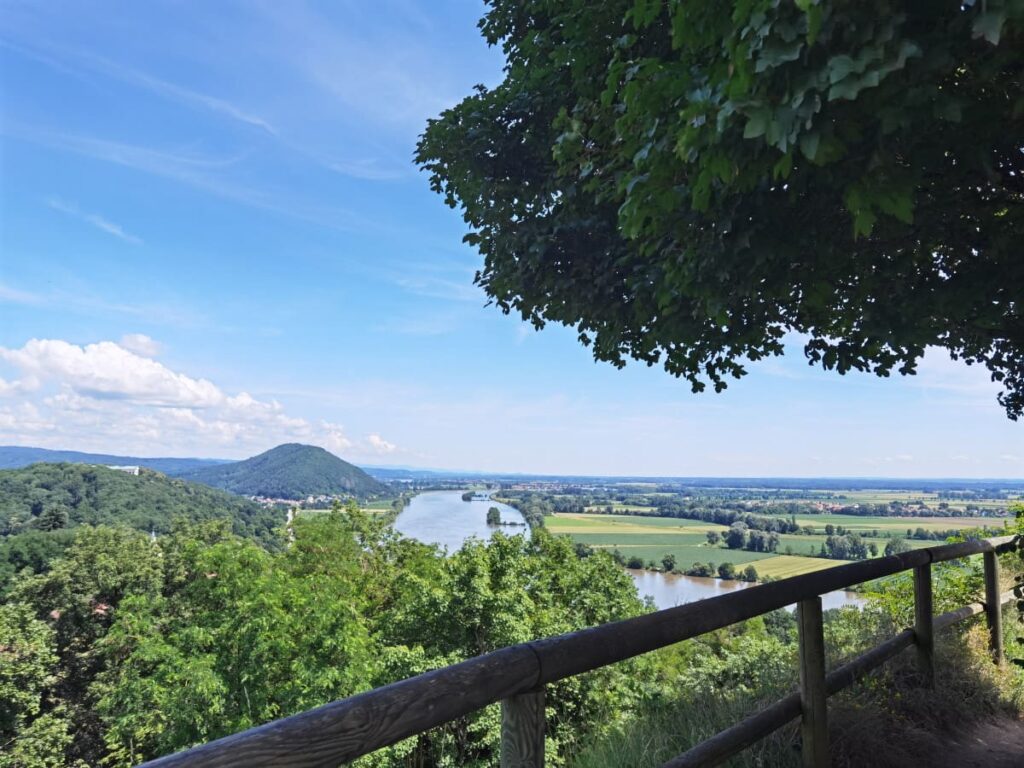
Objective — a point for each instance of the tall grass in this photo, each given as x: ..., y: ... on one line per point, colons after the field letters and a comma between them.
x: 888, y: 720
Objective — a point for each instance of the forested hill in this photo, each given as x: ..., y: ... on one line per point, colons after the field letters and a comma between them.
x: 54, y: 496
x: 17, y: 456
x: 290, y: 471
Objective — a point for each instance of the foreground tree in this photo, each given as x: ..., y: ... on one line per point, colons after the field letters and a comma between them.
x: 686, y: 184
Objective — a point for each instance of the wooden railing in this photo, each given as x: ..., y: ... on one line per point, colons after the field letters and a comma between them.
x: 344, y: 730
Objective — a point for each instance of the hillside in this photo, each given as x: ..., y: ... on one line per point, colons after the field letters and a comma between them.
x: 39, y: 496
x: 16, y: 456
x: 290, y: 471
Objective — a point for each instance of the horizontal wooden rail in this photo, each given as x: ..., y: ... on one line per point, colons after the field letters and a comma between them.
x: 344, y: 730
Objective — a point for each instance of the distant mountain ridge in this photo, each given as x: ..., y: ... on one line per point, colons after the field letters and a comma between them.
x: 16, y: 457
x: 289, y: 471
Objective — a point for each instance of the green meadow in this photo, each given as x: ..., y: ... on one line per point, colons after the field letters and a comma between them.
x: 651, y: 538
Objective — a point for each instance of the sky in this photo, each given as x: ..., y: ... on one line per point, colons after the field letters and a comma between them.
x: 213, y: 239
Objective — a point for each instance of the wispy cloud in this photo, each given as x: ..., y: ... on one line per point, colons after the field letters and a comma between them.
x: 80, y: 300
x: 394, y: 83
x: 80, y: 64
x: 9, y: 295
x: 442, y: 288
x: 205, y: 172
x: 68, y: 60
x: 105, y: 225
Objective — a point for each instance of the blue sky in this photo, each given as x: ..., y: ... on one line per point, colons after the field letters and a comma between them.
x: 213, y: 240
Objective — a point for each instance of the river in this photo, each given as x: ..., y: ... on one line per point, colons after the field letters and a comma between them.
x: 442, y: 517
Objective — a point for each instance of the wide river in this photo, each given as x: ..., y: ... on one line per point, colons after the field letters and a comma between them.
x: 442, y: 517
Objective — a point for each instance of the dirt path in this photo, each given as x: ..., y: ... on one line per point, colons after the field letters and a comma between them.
x: 995, y: 744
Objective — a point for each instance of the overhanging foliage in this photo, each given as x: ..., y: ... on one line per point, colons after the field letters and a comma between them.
x: 685, y: 185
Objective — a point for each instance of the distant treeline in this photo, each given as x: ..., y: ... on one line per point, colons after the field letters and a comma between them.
x: 683, y: 506
x: 532, y: 506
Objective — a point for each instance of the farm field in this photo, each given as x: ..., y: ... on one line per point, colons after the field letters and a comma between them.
x: 897, y: 525
x: 598, y: 508
x: 784, y: 566
x: 651, y: 538
x: 909, y: 497
x: 601, y: 523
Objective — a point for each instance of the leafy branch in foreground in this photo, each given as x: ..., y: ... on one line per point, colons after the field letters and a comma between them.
x: 685, y: 186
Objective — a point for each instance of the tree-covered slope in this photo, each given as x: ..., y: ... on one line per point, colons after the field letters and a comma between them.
x: 17, y: 456
x: 54, y: 496
x: 290, y: 471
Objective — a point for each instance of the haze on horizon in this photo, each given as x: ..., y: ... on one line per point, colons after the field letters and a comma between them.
x: 214, y: 241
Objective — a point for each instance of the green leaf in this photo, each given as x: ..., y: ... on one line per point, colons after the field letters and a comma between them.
x: 863, y: 223
x: 783, y: 166
x: 848, y: 89
x: 898, y: 203
x: 814, y: 19
x: 773, y: 55
x: 757, y: 123
x: 989, y: 25
x: 839, y: 67
x: 809, y: 144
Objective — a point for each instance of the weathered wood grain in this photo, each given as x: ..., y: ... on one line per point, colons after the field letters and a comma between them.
x: 522, y: 730
x: 993, y: 607
x: 813, y: 695
x: 924, y: 626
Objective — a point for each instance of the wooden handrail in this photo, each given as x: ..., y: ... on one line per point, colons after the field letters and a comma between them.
x: 349, y: 728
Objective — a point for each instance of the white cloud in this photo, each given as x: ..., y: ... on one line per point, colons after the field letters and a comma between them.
x: 108, y: 370
x: 102, y: 224
x: 937, y: 370
x: 380, y: 445
x: 140, y: 344
x: 108, y: 396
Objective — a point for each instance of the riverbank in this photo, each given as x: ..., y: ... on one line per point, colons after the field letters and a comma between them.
x: 443, y: 518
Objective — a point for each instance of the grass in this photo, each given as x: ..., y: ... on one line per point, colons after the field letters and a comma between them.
x: 895, y: 525
x: 651, y: 538
x: 784, y: 566
x: 886, y: 720
x: 662, y: 732
x: 599, y: 523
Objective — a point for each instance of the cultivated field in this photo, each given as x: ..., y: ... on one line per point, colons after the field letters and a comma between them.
x: 651, y: 538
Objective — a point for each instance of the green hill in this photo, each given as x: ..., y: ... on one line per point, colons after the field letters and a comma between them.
x: 54, y: 496
x: 290, y: 471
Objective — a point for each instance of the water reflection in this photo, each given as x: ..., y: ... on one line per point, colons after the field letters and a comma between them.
x: 442, y: 517
x: 669, y: 590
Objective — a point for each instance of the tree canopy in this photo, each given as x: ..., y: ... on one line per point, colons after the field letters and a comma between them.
x: 685, y: 186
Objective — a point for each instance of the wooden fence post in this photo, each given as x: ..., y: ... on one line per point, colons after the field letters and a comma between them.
x: 924, y: 626
x: 813, y: 696
x: 993, y: 608
x: 522, y: 730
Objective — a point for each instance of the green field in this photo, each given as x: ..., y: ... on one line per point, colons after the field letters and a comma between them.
x: 897, y: 525
x: 784, y: 566
x: 912, y: 497
x: 651, y: 538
